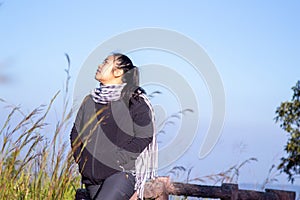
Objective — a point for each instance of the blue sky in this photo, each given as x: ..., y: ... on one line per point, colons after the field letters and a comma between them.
x: 254, y: 45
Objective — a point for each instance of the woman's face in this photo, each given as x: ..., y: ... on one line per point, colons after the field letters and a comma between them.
x: 107, y: 73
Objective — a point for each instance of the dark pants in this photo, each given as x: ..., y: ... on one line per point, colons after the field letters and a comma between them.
x: 119, y: 186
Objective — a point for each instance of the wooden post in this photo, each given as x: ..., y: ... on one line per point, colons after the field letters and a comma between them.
x: 157, y: 189
x: 163, y: 196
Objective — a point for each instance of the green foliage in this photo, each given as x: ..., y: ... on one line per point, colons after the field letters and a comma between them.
x: 288, y: 115
x: 31, y: 165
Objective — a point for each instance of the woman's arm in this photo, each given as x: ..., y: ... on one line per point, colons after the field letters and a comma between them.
x: 143, y: 126
x: 76, y: 142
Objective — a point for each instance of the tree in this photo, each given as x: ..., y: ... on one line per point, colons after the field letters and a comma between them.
x: 288, y: 115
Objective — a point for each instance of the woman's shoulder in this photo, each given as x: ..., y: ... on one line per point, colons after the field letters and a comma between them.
x: 139, y: 98
x: 87, y: 100
x: 140, y: 108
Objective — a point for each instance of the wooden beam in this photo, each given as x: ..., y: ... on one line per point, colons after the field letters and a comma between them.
x: 161, y: 187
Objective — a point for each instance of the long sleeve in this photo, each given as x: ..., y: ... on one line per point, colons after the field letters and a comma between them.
x: 143, y: 130
x: 76, y: 143
x: 143, y: 126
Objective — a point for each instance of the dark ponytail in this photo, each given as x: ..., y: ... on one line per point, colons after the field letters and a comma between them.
x: 130, y: 77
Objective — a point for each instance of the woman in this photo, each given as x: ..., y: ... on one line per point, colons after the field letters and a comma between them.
x: 113, y: 138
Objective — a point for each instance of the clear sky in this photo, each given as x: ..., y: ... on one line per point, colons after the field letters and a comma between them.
x: 254, y: 45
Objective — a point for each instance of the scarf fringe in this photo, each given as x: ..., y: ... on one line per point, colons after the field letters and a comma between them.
x: 146, y: 164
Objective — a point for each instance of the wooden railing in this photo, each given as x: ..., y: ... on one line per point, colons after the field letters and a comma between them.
x: 161, y: 188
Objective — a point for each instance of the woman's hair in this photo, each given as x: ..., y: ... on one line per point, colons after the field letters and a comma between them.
x: 130, y: 76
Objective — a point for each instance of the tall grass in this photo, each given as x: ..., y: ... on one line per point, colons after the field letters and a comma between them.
x: 230, y: 175
x: 32, y: 166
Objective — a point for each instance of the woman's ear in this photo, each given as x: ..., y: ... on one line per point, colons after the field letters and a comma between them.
x: 118, y: 72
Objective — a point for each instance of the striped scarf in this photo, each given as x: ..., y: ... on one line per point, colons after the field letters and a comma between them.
x: 146, y: 165
x: 107, y: 93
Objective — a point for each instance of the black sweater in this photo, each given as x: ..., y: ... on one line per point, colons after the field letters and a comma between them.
x: 107, y: 138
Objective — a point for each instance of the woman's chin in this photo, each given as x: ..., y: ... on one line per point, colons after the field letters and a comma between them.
x: 97, y: 77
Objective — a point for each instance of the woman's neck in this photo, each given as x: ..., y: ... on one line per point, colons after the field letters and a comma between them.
x: 112, y: 82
